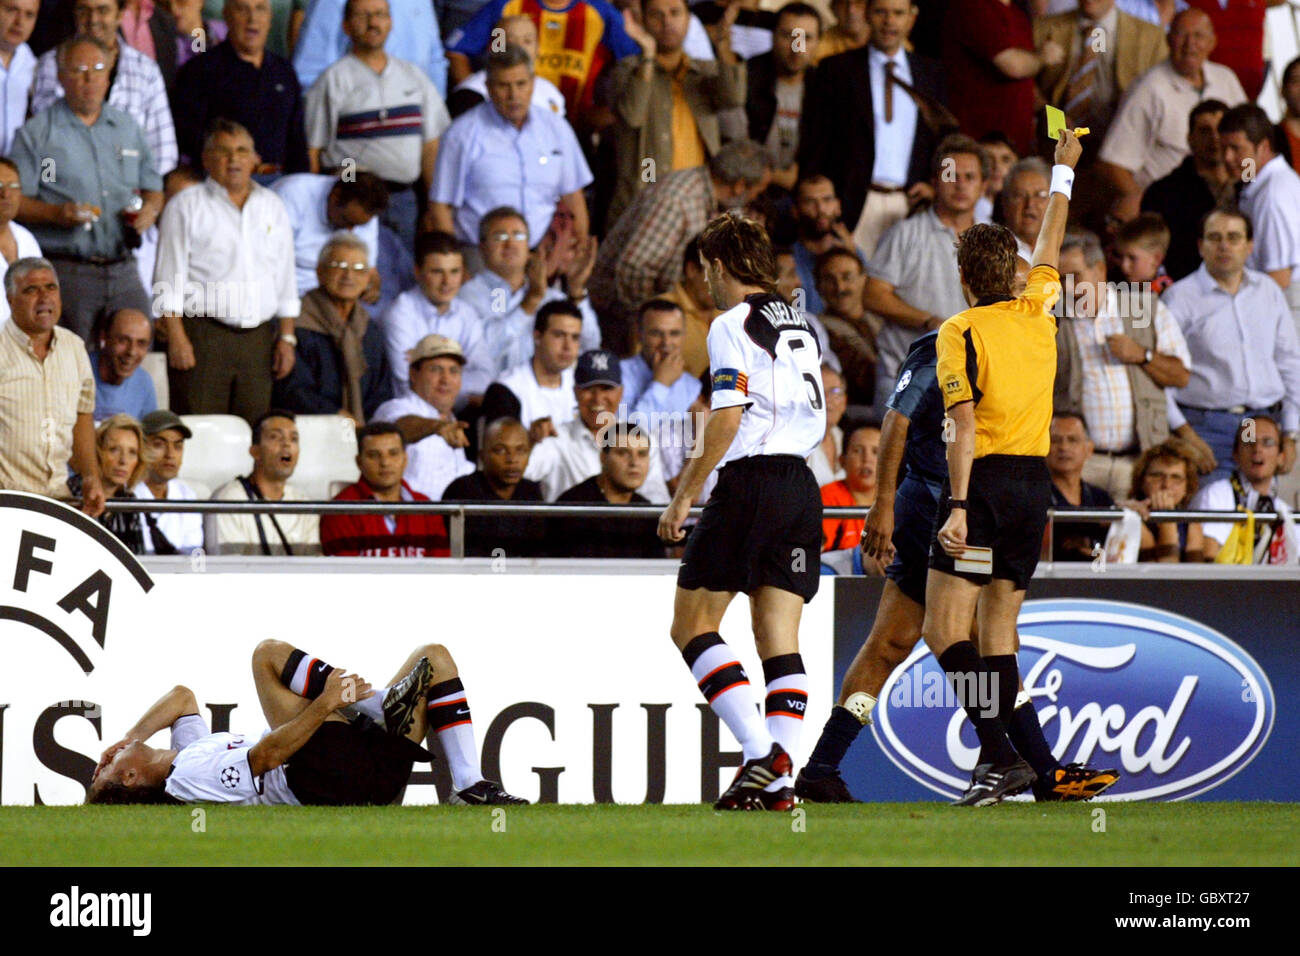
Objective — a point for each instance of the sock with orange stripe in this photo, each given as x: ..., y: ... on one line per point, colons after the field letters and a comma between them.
x: 724, y: 685
x: 306, y: 675
x: 787, y: 699
x: 449, y: 718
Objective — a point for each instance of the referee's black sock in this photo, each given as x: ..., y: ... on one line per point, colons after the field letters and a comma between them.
x: 1007, y: 673
x: 1027, y: 737
x: 967, y: 672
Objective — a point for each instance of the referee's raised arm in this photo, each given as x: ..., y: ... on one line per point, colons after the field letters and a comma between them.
x: 1047, y: 250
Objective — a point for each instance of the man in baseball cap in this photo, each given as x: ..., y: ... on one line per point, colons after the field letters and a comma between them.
x: 435, y: 440
x: 173, y: 532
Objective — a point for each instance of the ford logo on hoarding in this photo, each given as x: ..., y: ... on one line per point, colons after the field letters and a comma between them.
x: 1175, y: 705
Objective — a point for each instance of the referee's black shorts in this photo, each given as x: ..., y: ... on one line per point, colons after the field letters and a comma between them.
x: 762, y: 526
x: 351, y: 764
x: 1007, y: 511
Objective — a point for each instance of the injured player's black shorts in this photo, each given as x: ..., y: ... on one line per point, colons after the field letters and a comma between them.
x: 762, y: 526
x: 1006, y: 510
x: 352, y: 764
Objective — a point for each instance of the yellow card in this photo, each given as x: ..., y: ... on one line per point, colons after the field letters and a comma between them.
x: 1055, y: 122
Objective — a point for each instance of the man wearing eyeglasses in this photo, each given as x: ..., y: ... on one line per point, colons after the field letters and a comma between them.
x: 224, y: 284
x: 81, y: 162
x: 1024, y: 202
x: 1244, y: 349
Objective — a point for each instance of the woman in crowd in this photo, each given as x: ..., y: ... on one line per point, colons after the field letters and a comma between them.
x: 856, y: 488
x: 122, y: 453
x: 1164, y: 479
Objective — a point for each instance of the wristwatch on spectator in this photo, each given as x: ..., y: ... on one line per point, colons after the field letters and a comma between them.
x: 290, y: 338
x: 1147, y: 356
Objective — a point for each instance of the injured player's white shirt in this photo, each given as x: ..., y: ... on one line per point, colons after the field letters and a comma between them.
x: 213, y: 768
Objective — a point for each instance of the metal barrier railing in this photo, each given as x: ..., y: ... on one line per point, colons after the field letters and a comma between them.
x: 457, y: 512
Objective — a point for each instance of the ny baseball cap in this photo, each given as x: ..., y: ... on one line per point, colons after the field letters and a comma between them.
x: 435, y: 346
x: 163, y: 419
x: 598, y: 367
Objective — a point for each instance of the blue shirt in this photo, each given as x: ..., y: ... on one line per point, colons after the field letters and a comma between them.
x: 415, y: 37
x: 305, y: 196
x: 1244, y: 347
x: 805, y: 263
x: 485, y: 162
x: 916, y: 397
x: 15, y: 88
x: 135, y: 396
x: 644, y: 396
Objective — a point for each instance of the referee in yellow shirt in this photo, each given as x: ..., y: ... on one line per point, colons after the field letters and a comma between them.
x: 996, y: 367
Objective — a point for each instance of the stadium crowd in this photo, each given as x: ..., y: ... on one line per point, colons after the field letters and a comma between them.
x: 469, y: 230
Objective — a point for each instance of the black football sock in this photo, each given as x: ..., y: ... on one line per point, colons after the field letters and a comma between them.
x: 841, y: 729
x: 967, y: 672
x: 1027, y: 737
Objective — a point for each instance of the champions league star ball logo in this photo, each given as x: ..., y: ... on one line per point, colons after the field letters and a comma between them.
x: 230, y: 778
x: 1177, y: 706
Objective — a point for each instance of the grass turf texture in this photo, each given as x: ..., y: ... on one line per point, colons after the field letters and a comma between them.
x: 1141, y: 834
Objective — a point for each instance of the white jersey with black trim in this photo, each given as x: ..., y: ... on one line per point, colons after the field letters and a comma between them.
x: 764, y: 355
x: 213, y: 768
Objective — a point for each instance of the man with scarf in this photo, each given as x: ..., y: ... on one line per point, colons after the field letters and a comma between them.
x: 341, y: 366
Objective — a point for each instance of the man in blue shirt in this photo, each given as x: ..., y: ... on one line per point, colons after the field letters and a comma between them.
x: 655, y: 382
x: 121, y: 385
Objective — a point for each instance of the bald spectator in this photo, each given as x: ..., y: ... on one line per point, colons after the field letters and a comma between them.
x: 573, y: 454
x: 340, y: 367
x: 1240, y: 31
x: 137, y: 85
x: 121, y: 385
x: 243, y: 81
x: 375, y: 111
x: 852, y: 330
x: 324, y: 38
x: 641, y: 256
x: 47, y: 380
x: 1106, y: 50
x: 226, y: 285
x: 1198, y: 184
x: 914, y: 282
x: 819, y: 219
x: 1148, y: 136
x: 319, y: 206
x: 871, y: 136
x: 511, y: 288
x: 691, y: 295
x: 506, y: 150
x: 381, y: 458
x: 1024, y: 202
x: 517, y: 30
x: 275, y: 451
x: 655, y: 380
x: 101, y: 162
x: 169, y: 532
x: 625, y: 462
x: 500, y: 479
x: 17, y: 65
x: 435, y: 440
x: 434, y: 305
x: 850, y: 31
x: 1270, y: 196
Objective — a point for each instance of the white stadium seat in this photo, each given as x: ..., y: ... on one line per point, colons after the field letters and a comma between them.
x: 218, y: 451
x: 155, y: 366
x: 329, y: 453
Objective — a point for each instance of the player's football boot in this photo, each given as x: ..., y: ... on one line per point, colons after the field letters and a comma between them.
x: 991, y: 783
x: 828, y: 789
x: 404, y: 697
x: 485, y: 793
x: 745, y: 792
x: 781, y: 799
x: 1074, y: 781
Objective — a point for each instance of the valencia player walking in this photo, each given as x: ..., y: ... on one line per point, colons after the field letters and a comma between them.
x: 760, y: 532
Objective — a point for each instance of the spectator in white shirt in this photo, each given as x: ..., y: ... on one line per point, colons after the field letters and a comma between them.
x: 572, y: 455
x: 539, y: 392
x: 435, y: 440
x: 171, y: 532
x: 17, y: 66
x: 224, y: 273
x: 16, y: 241
x: 320, y: 206
x: 275, y: 456
x: 434, y: 306
x: 511, y: 287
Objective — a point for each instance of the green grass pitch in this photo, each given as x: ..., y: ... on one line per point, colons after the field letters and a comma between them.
x: 1135, y: 834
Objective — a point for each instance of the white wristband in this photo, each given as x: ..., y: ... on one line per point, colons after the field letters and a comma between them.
x: 1062, y: 180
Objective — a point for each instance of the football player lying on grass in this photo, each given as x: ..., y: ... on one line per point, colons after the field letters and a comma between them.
x: 333, y: 740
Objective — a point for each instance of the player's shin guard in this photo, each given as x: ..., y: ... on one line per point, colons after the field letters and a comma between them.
x: 449, y: 718
x: 1027, y: 737
x: 787, y: 700
x: 724, y: 685
x: 306, y: 675
x: 967, y: 673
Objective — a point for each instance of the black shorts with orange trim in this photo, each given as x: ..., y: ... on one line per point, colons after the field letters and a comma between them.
x: 761, y: 527
x: 1006, y: 510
